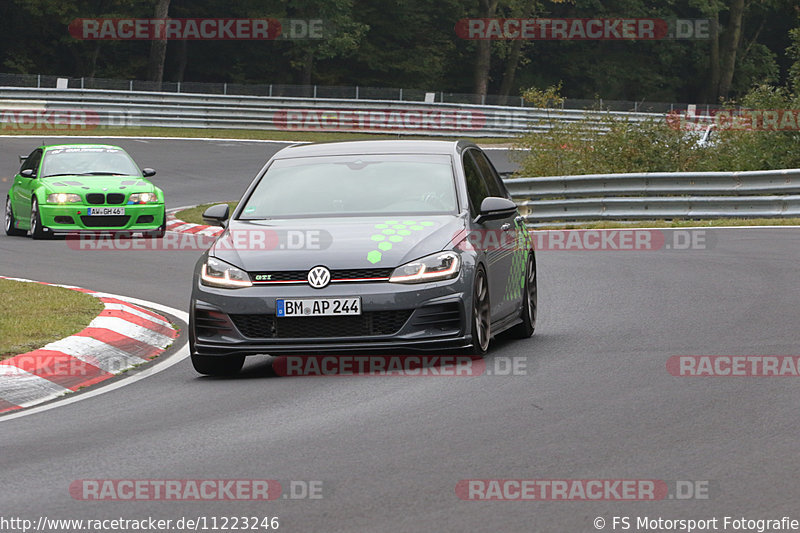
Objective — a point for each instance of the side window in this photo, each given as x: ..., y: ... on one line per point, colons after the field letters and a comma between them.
x: 493, y: 181
x: 476, y: 188
x: 32, y: 161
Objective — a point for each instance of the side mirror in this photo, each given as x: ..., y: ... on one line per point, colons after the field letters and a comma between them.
x: 494, y: 207
x: 216, y: 215
x: 28, y: 173
x: 147, y: 172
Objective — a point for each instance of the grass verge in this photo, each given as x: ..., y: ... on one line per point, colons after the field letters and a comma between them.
x: 194, y: 215
x: 32, y: 315
x: 264, y: 135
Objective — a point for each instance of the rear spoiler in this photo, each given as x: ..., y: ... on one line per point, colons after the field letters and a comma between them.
x: 22, y: 159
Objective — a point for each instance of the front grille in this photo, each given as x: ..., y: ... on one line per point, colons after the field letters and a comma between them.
x: 364, y: 325
x: 361, y: 273
x: 115, y: 198
x: 440, y: 316
x: 336, y: 275
x: 106, y: 221
x: 96, y: 198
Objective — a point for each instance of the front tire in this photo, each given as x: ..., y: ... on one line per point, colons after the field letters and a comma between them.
x: 529, y: 303
x: 9, y: 221
x: 481, y: 314
x: 210, y: 365
x: 37, y: 230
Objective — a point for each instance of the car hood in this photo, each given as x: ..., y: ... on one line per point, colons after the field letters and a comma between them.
x: 337, y: 243
x: 88, y: 184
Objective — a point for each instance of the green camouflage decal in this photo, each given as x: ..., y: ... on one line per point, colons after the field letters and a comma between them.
x: 391, y: 232
x: 516, y: 278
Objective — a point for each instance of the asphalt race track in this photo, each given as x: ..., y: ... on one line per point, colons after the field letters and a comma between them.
x: 595, y: 400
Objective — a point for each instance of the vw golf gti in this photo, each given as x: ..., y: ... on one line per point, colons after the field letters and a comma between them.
x: 403, y: 244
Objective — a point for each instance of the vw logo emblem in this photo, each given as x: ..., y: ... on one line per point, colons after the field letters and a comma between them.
x: 319, y: 277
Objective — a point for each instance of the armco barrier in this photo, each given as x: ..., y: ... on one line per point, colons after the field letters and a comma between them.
x: 662, y: 195
x: 27, y: 108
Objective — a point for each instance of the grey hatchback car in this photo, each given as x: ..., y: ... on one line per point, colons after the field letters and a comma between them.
x: 364, y: 245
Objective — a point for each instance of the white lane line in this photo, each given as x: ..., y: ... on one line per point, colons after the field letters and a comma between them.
x: 161, y: 365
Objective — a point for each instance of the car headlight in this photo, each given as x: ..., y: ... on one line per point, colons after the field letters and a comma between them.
x: 435, y: 267
x: 142, y: 198
x: 216, y: 273
x: 63, y: 198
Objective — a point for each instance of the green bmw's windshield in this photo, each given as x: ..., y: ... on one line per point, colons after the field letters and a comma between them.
x: 88, y: 161
x: 354, y: 186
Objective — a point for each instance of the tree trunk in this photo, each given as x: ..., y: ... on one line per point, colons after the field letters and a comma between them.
x: 733, y: 38
x: 183, y: 59
x: 713, y: 87
x: 483, y: 59
x: 308, y: 67
x: 158, y: 48
x: 510, y: 71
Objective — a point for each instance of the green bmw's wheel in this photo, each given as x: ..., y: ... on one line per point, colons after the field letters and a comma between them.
x: 37, y: 230
x: 10, y: 222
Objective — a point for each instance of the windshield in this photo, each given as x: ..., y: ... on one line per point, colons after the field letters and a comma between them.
x: 88, y: 161
x: 354, y: 186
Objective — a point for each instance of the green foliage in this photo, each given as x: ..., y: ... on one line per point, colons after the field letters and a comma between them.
x: 603, y: 144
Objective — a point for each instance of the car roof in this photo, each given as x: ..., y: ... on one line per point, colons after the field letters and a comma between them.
x: 78, y: 145
x: 373, y: 147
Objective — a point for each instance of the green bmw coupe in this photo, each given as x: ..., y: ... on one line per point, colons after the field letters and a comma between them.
x: 72, y: 188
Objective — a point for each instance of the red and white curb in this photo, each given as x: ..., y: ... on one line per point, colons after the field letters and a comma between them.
x: 179, y: 226
x: 122, y: 336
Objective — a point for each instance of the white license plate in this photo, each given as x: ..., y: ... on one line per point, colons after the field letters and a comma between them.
x: 319, y: 307
x: 104, y: 211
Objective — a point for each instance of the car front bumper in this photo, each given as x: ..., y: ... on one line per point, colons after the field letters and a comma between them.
x: 394, y: 316
x: 71, y: 218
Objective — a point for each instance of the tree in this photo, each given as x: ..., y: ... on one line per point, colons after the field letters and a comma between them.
x: 158, y: 47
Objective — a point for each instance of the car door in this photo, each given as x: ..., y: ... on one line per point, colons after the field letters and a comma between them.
x: 24, y: 187
x: 486, y: 236
x: 509, y: 259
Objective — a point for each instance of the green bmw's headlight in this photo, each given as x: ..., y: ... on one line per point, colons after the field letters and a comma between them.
x: 216, y: 273
x: 63, y: 198
x: 435, y: 267
x: 143, y: 198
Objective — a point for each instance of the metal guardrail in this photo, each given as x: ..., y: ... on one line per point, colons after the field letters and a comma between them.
x: 661, y: 195
x: 98, y: 109
x: 42, y: 81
